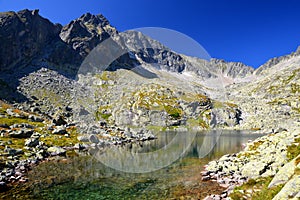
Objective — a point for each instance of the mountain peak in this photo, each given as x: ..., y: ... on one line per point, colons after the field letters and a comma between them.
x: 86, y: 32
x: 97, y: 20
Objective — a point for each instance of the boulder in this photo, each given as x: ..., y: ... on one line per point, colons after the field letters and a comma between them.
x: 60, y: 130
x: 32, y: 142
x: 290, y: 189
x: 23, y: 133
x: 59, y: 121
x: 56, y: 151
x: 93, y: 139
x: 35, y: 118
x: 284, y: 173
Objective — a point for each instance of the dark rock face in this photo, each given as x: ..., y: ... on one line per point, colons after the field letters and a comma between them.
x: 86, y: 32
x: 152, y: 51
x: 23, y: 35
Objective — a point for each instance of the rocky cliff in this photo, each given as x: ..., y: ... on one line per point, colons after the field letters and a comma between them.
x: 23, y: 35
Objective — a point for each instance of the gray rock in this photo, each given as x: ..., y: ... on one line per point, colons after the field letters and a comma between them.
x: 13, y: 152
x: 83, y: 138
x: 60, y: 130
x: 22, y: 125
x: 284, y: 173
x: 35, y: 109
x: 79, y: 146
x: 290, y: 189
x: 93, y: 139
x: 19, y: 28
x: 35, y: 118
x: 59, y: 121
x: 4, y: 126
x: 23, y: 133
x: 56, y: 151
x: 32, y: 142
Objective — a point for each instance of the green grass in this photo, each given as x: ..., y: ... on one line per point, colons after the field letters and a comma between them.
x: 261, y: 184
x: 15, y: 120
x: 295, y: 88
x: 175, y: 113
x: 291, y: 77
x: 197, y: 122
x: 156, y: 128
x: 255, y: 145
x: 294, y: 149
x: 105, y: 116
x: 59, y: 140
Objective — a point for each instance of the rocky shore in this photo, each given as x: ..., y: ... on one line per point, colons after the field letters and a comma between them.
x: 28, y: 138
x: 267, y: 167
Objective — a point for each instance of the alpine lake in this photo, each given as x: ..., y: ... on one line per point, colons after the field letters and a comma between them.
x: 165, y: 168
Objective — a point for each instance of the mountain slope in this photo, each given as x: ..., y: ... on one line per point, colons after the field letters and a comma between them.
x: 46, y: 74
x: 271, y: 99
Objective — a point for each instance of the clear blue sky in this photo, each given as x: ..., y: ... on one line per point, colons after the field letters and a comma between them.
x: 250, y: 31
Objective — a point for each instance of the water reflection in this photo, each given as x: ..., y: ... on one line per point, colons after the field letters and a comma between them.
x: 86, y: 177
x: 170, y: 146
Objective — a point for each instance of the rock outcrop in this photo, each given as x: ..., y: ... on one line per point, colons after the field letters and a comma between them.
x: 86, y: 32
x: 23, y: 36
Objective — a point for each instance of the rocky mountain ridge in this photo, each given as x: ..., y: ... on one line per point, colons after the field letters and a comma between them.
x: 64, y: 48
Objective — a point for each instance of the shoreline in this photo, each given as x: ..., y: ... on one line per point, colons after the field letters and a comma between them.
x: 256, y: 170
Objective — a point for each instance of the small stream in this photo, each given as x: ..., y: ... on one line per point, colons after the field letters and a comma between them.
x: 166, y: 168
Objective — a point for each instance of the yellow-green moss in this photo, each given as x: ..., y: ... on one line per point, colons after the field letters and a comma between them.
x: 255, y: 145
x: 197, y: 122
x: 218, y: 104
x: 294, y: 149
x: 156, y: 128
x: 259, y: 187
x: 60, y: 140
x: 15, y: 120
x: 295, y: 88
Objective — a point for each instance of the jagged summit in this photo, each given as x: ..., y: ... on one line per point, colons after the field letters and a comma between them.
x: 86, y: 32
x: 97, y: 20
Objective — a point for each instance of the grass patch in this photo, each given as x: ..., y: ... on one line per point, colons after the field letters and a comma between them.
x: 295, y: 88
x: 156, y: 128
x: 293, y: 150
x: 197, y: 122
x: 255, y: 129
x: 261, y: 185
x: 175, y: 113
x: 102, y: 114
x: 61, y: 141
x: 297, y: 161
x: 255, y: 145
x: 15, y: 120
x: 218, y: 104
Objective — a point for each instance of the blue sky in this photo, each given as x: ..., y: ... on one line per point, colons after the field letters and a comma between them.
x: 249, y: 31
